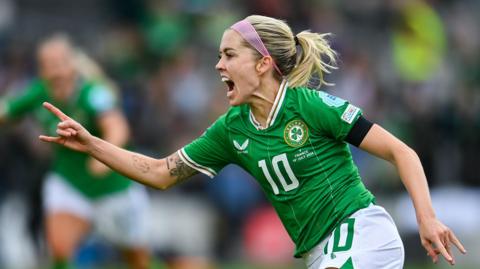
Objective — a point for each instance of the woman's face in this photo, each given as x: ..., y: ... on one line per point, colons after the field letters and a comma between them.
x: 56, y: 67
x: 237, y: 67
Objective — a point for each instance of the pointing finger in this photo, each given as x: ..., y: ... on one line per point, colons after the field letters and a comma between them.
x: 57, y: 112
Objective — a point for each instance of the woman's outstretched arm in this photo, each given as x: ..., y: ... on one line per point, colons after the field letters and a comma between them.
x: 158, y: 173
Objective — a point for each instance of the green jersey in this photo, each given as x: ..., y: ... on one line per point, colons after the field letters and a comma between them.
x: 299, y: 159
x: 88, y: 102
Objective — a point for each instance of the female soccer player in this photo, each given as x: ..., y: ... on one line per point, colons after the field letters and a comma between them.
x: 80, y: 191
x: 293, y: 140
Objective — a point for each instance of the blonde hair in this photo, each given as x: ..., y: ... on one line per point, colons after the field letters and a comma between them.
x: 298, y: 67
x: 91, y: 70
x: 84, y: 65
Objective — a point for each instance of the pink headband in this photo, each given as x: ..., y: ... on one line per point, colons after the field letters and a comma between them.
x: 248, y: 32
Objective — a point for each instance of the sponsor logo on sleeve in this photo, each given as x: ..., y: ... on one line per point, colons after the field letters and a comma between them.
x: 349, y: 114
x: 331, y: 100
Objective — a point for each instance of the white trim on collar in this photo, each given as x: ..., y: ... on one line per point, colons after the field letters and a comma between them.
x: 277, y: 104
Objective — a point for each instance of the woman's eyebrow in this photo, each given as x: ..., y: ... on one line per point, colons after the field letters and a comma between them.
x: 226, y: 50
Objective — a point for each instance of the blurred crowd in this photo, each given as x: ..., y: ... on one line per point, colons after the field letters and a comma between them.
x: 413, y: 66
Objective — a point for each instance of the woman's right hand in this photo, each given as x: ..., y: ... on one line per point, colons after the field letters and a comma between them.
x: 71, y: 134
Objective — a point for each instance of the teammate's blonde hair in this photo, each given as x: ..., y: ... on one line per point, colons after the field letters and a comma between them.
x: 315, y: 57
x: 84, y: 65
x: 91, y: 70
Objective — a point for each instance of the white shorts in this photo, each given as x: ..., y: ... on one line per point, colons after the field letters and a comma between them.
x: 120, y: 217
x: 368, y: 239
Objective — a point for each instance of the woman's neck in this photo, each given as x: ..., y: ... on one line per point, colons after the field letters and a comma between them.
x: 263, y: 100
x: 64, y: 91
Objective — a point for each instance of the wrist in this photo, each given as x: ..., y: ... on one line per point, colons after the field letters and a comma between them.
x: 93, y: 146
x: 425, y: 217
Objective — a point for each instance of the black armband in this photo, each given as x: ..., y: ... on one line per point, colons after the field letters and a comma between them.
x: 358, y: 131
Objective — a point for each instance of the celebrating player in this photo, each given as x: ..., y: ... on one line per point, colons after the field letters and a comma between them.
x: 293, y: 140
x: 79, y: 190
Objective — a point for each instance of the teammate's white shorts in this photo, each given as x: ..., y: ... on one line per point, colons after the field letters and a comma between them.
x: 368, y: 239
x: 120, y: 217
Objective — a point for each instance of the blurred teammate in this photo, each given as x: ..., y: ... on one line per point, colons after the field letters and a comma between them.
x: 80, y: 191
x: 293, y: 140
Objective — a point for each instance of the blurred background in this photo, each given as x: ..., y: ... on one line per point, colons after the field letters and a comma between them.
x: 413, y: 66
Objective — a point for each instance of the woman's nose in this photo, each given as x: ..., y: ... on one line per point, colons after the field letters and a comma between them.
x: 219, y: 65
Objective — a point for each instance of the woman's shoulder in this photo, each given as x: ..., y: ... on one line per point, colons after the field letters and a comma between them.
x: 233, y: 114
x: 308, y: 93
x: 316, y: 97
x: 95, y: 96
x: 37, y: 85
x: 304, y: 97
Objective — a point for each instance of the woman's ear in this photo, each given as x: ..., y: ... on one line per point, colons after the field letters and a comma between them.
x: 264, y: 64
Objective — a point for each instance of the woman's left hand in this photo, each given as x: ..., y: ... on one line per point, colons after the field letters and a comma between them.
x: 438, y: 239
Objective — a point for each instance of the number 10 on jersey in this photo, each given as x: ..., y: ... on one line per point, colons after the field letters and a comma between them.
x: 292, y: 180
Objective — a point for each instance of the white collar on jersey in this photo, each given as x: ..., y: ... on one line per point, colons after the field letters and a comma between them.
x: 277, y: 104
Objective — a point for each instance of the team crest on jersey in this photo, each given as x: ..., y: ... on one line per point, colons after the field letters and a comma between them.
x: 296, y: 133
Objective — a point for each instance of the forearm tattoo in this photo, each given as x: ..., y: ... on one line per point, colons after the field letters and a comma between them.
x: 177, y: 168
x: 141, y: 164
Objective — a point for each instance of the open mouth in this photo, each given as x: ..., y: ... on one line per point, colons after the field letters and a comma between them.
x: 229, y: 82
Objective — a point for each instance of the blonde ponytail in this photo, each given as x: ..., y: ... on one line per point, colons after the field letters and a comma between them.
x: 310, y: 63
x: 315, y: 56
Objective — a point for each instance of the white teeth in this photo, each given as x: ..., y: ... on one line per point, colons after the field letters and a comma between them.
x: 225, y: 79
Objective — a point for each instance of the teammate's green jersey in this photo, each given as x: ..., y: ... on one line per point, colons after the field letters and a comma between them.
x: 88, y: 101
x: 300, y: 159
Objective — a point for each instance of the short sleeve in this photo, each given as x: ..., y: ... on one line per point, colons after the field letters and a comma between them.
x: 24, y: 102
x: 208, y: 153
x: 101, y: 99
x: 328, y: 114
